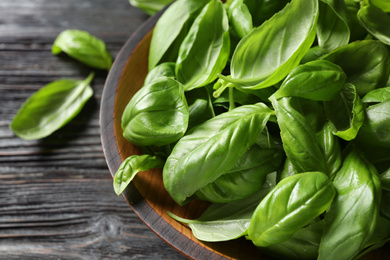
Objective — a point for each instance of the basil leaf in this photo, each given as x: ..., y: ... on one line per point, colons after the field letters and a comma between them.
x: 246, y: 177
x: 268, y: 53
x: 357, y: 201
x: 223, y: 222
x: 51, y: 107
x: 200, y: 106
x: 83, y: 47
x: 376, y: 22
x: 211, y: 149
x: 300, y: 199
x: 171, y: 29
x: 377, y: 95
x: 357, y: 31
x: 385, y: 180
x: 302, y: 245
x: 382, y: 4
x: 298, y: 135
x: 150, y: 6
x: 345, y: 113
x: 240, y: 18
x: 288, y: 169
x: 166, y: 69
x: 316, y: 80
x: 368, y: 75
x: 205, y: 50
x: 131, y: 166
x: 375, y: 130
x: 332, y: 26
x: 157, y: 114
x: 262, y: 10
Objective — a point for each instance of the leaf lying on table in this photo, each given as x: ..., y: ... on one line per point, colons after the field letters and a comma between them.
x: 51, y: 107
x: 83, y: 47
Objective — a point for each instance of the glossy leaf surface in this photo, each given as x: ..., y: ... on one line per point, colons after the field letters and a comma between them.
x: 166, y: 69
x: 211, y: 149
x: 83, y: 47
x: 171, y: 29
x: 376, y: 21
x: 357, y: 201
x: 240, y: 18
x: 157, y: 114
x: 300, y: 198
x: 150, y: 6
x: 51, y: 107
x: 268, y: 53
x: 316, y: 80
x: 206, y: 48
x: 368, y: 75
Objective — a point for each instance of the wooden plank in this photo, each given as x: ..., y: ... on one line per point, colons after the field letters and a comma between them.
x: 56, y: 195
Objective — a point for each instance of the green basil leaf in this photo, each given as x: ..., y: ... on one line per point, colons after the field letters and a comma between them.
x: 166, y: 69
x: 303, y: 245
x: 150, y: 6
x: 298, y: 135
x: 211, y: 149
x: 316, y: 80
x: 376, y: 22
x: 330, y: 147
x: 206, y: 48
x: 288, y: 169
x: 157, y: 114
x: 368, y: 75
x: 51, y: 107
x: 377, y: 95
x: 240, y: 18
x: 382, y: 4
x: 268, y: 53
x: 332, y: 26
x: 300, y: 199
x: 357, y: 201
x: 83, y: 47
x: 262, y: 10
x: 246, y: 177
x: 131, y: 166
x: 385, y: 180
x: 357, y: 31
x: 200, y: 106
x: 375, y: 130
x: 223, y: 222
x: 346, y: 113
x: 171, y: 29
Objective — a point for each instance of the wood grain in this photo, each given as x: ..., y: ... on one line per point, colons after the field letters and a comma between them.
x: 56, y: 195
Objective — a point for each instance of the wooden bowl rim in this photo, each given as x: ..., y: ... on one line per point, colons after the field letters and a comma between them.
x: 144, y: 211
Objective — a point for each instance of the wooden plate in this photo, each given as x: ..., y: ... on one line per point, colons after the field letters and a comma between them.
x: 146, y: 194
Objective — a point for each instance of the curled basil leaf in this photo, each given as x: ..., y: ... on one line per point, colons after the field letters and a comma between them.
x: 357, y: 201
x: 211, y: 149
x: 376, y: 21
x: 345, y: 113
x: 131, y: 166
x: 268, y: 53
x: 83, y: 47
x: 51, y: 107
x: 300, y: 198
x: 171, y: 29
x: 377, y: 95
x: 157, y: 114
x: 316, y: 80
x: 206, y: 48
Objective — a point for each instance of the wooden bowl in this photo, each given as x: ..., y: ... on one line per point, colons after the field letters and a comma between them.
x: 146, y: 194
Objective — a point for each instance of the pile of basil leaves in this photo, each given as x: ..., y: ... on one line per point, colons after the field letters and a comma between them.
x: 276, y: 112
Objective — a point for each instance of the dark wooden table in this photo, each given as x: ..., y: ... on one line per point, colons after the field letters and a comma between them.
x: 56, y: 195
